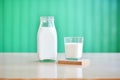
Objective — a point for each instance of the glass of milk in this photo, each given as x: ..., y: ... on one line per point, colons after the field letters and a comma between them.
x: 73, y: 47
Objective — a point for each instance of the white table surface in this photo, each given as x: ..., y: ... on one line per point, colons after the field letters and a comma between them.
x: 27, y: 66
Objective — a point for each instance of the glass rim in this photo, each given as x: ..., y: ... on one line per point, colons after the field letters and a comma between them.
x: 74, y: 37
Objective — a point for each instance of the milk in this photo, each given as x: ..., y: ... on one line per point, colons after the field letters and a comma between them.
x: 73, y: 50
x: 47, y: 43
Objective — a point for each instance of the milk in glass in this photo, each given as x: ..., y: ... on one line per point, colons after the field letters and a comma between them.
x: 73, y: 48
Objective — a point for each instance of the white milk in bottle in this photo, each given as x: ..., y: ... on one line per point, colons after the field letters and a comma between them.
x: 47, y: 39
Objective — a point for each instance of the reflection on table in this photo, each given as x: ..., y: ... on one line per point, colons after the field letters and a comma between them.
x: 26, y: 65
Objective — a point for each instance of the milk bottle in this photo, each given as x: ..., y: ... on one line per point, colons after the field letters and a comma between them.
x: 47, y: 39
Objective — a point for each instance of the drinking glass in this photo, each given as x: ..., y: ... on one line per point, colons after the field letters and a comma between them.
x: 73, y: 47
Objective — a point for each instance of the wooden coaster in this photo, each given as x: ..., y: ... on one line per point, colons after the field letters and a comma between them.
x: 74, y: 62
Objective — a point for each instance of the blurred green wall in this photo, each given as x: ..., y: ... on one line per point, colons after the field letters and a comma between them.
x: 96, y: 20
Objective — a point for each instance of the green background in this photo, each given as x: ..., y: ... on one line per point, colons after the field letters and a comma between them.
x: 96, y: 20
